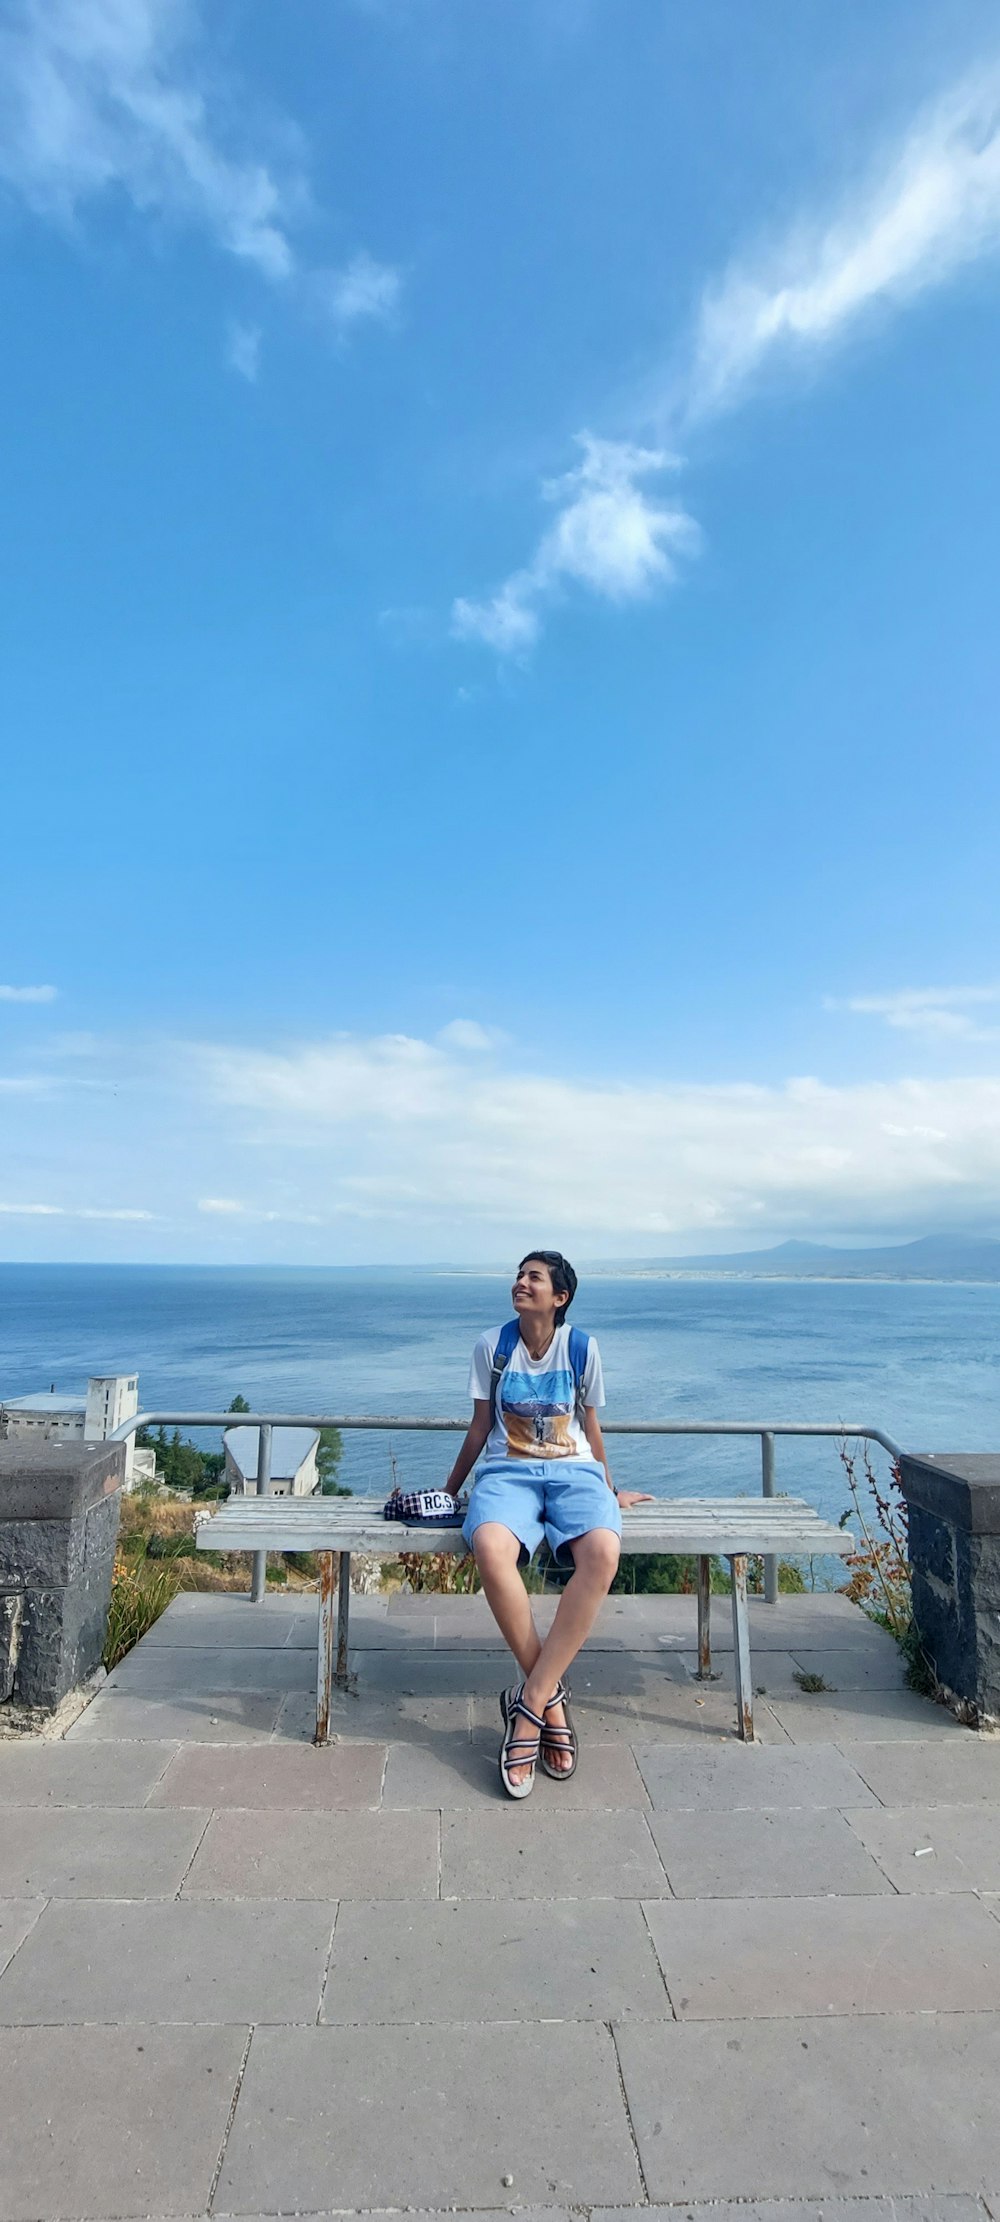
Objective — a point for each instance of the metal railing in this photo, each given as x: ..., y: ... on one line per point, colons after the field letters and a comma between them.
x: 766, y: 1432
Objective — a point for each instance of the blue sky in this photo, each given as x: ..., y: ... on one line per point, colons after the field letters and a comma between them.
x: 500, y: 647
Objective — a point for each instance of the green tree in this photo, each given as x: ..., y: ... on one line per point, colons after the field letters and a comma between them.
x: 329, y: 1452
x: 239, y: 1404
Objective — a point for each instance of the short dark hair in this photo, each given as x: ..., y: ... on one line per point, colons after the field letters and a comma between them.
x: 561, y: 1274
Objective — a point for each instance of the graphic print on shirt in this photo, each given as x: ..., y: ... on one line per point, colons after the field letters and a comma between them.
x: 537, y: 1412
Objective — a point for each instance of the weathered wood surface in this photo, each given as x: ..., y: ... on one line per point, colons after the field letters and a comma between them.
x: 775, y: 1526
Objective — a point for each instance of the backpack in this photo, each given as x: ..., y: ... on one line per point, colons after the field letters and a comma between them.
x: 507, y: 1342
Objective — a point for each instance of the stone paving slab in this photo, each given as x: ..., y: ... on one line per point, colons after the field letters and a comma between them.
x: 33, y: 1773
x: 317, y: 1855
x: 96, y: 1852
x: 954, y: 2206
x: 114, y: 2122
x: 805, y: 1854
x: 467, y: 1774
x: 863, y: 1669
x: 565, y: 1960
x: 407, y: 2118
x: 374, y: 1718
x: 815, y: 2109
x: 667, y: 1712
x: 372, y: 1632
x: 963, y: 1771
x: 855, y: 1956
x: 528, y: 1851
x: 866, y: 1716
x: 461, y: 1674
x: 222, y: 1622
x: 210, y: 1717
x: 176, y: 1961
x: 178, y: 1671
x: 17, y: 1918
x: 772, y: 1672
x: 342, y: 1778
x: 959, y: 1844
x: 745, y: 1778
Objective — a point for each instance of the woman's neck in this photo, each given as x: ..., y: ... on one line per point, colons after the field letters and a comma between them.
x: 536, y: 1338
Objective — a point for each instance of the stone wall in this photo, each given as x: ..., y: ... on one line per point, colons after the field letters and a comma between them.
x: 953, y: 1506
x: 59, y: 1505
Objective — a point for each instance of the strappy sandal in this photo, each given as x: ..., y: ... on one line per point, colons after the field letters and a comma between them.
x: 518, y: 1751
x: 559, y: 1739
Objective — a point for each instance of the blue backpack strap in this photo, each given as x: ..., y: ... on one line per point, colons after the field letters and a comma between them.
x: 579, y: 1352
x: 506, y: 1344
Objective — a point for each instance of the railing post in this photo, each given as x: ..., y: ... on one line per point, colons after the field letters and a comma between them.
x: 259, y: 1582
x: 767, y: 1490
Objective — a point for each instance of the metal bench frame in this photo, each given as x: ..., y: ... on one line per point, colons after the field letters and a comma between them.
x: 734, y: 1528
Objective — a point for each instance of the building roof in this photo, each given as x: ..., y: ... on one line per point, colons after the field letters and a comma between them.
x: 290, y: 1447
x: 44, y: 1400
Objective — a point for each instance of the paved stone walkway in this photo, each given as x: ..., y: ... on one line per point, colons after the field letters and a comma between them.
x: 243, y: 1977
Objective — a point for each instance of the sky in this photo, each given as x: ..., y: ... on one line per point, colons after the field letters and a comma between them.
x: 499, y: 604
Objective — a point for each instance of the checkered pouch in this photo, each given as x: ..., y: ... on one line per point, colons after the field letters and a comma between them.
x: 414, y: 1506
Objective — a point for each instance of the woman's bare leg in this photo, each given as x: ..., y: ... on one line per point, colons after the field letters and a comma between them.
x: 595, y: 1559
x: 497, y: 1552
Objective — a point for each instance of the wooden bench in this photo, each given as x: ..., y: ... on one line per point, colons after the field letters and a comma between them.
x: 734, y: 1528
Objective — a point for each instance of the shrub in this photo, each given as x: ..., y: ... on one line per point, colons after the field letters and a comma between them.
x: 138, y: 1596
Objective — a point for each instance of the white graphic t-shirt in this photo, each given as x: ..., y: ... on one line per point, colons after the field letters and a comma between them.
x: 536, y: 1414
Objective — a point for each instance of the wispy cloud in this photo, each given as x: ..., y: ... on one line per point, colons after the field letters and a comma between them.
x: 363, y: 290
x: 99, y: 97
x: 609, y: 536
x: 467, y: 1034
x: 230, y: 1207
x: 243, y: 351
x: 68, y: 1211
x: 938, y: 1014
x: 28, y: 995
x: 927, y: 208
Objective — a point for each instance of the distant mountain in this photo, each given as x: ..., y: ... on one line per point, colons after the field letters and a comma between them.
x: 935, y: 1257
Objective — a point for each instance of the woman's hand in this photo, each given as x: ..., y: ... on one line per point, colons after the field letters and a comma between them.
x: 628, y: 1497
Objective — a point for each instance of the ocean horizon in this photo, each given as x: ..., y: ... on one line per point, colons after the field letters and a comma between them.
x: 917, y: 1359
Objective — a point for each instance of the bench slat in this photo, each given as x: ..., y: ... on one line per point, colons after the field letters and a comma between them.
x: 720, y: 1526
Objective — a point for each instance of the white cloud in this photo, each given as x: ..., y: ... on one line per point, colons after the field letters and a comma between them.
x: 228, y: 1207
x: 28, y: 995
x: 113, y: 97
x: 939, y: 1014
x: 609, y: 536
x: 243, y: 351
x: 413, y: 1134
x: 466, y: 1033
x: 103, y: 94
x: 928, y: 209
x: 364, y: 289
x: 65, y: 1211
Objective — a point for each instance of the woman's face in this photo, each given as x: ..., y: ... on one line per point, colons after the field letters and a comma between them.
x: 533, y: 1295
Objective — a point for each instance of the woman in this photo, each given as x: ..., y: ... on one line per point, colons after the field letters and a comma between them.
x: 536, y: 1386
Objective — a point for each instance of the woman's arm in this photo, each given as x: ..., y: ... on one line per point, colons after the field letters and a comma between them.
x: 592, y: 1429
x: 475, y: 1441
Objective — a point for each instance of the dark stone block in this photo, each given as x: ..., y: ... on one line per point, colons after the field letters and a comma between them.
x: 59, y: 1507
x: 953, y: 1510
x: 932, y: 1545
x: 962, y: 1489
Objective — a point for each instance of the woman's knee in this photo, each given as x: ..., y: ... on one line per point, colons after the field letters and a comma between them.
x: 597, y: 1555
x: 495, y: 1549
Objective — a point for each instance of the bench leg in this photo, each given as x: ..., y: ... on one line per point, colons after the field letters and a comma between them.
x: 741, y: 1649
x: 704, y: 1619
x: 324, y: 1654
x: 343, y: 1620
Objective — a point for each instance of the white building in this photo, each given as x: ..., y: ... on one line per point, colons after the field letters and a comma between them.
x: 48, y: 1416
x: 293, y: 1460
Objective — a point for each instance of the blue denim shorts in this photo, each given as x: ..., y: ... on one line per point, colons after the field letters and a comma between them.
x: 559, y: 1498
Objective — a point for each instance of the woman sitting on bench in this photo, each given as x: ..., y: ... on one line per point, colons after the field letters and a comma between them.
x: 536, y: 1385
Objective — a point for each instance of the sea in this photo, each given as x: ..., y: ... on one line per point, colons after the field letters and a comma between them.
x: 921, y: 1360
